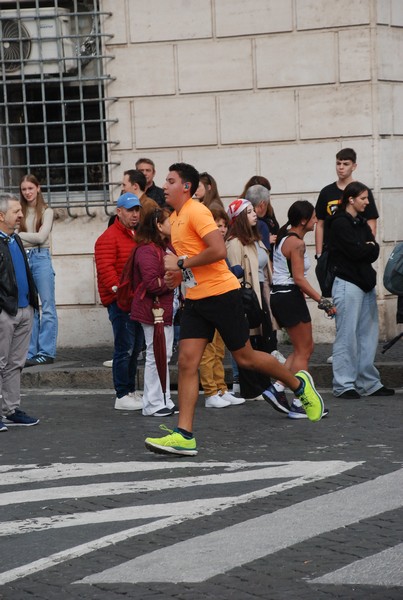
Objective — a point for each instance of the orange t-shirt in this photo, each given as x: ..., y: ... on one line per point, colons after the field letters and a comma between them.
x: 188, y: 228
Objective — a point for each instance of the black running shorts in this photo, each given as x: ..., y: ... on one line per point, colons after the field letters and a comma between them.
x: 200, y: 319
x: 289, y: 306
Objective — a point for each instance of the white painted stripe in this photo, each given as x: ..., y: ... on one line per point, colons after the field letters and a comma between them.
x: 384, y: 568
x: 206, y: 556
x: 69, y: 392
x: 331, y: 468
x: 75, y: 392
x: 127, y: 513
x: 18, y: 474
x: 128, y: 487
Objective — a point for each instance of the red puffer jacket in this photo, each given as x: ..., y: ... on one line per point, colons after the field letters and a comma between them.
x: 148, y: 282
x: 112, y: 249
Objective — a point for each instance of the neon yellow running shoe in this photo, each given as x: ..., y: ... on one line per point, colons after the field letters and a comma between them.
x: 311, y: 400
x: 173, y: 443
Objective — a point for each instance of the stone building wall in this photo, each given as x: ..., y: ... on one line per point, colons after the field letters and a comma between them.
x: 241, y: 88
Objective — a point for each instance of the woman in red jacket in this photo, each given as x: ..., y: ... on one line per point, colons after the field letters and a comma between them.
x: 153, y: 237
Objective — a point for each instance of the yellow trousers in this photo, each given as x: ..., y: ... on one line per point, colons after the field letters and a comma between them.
x: 212, y: 374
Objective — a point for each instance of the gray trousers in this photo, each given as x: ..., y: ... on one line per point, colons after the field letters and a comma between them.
x: 15, y: 333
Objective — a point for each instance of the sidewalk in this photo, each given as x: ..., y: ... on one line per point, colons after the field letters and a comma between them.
x: 82, y: 368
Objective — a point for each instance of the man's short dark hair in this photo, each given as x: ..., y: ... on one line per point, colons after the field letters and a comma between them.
x: 136, y: 176
x: 347, y: 154
x: 187, y: 173
x: 148, y: 161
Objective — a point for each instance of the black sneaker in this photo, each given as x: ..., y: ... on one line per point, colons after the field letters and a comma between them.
x: 350, y: 395
x: 3, y: 427
x: 278, y: 400
x: 383, y: 391
x: 39, y: 359
x: 164, y: 412
x: 20, y: 419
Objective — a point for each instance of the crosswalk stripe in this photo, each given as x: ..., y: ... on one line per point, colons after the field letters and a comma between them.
x: 300, y: 473
x: 190, y: 561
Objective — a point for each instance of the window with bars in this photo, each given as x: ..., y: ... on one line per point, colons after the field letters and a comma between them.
x: 53, y: 120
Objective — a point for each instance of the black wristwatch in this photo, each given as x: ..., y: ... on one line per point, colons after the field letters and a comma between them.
x: 180, y: 264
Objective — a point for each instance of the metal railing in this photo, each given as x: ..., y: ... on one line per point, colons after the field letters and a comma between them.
x: 53, y: 117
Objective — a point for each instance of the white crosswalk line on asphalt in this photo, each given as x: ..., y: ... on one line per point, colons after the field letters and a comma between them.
x: 190, y: 561
x: 297, y: 469
x: 384, y: 568
x: 297, y: 472
x: 20, y: 474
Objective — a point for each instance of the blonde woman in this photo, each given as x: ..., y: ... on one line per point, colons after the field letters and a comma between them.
x: 36, y: 226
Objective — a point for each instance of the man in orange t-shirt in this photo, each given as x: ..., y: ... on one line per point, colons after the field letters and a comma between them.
x: 213, y: 301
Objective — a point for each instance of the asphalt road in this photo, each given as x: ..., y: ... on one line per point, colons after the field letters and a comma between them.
x: 271, y: 508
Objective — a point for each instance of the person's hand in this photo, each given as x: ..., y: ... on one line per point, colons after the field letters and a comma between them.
x: 273, y: 239
x: 328, y: 306
x: 171, y: 262
x: 173, y: 279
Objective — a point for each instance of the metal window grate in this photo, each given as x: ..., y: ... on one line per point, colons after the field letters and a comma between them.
x: 53, y: 119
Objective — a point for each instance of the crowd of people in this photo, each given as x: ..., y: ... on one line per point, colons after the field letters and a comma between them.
x: 188, y: 260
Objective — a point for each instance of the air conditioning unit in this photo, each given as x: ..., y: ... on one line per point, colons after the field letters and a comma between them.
x: 36, y: 41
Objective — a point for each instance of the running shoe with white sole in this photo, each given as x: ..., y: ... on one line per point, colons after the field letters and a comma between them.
x: 173, y: 443
x: 234, y: 400
x: 310, y: 398
x: 278, y: 400
x: 298, y: 412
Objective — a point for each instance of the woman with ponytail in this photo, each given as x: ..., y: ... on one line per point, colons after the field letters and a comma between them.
x: 34, y: 231
x: 288, y: 304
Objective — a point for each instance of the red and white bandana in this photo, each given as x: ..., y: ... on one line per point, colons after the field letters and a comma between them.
x: 236, y: 207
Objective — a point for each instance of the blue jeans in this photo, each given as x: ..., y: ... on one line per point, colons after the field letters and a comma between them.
x: 356, y: 340
x: 128, y: 338
x: 44, y: 330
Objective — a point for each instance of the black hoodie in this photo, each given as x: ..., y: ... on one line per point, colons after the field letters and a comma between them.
x: 349, y: 252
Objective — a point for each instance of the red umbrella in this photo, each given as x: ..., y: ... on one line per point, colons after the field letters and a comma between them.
x: 160, y: 350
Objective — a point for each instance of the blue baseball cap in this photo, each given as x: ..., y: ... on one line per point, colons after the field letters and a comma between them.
x: 128, y: 201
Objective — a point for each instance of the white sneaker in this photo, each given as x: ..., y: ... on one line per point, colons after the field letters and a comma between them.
x: 255, y: 398
x: 136, y: 395
x: 216, y: 401
x: 108, y: 363
x: 330, y: 360
x: 280, y: 357
x: 236, y: 388
x: 128, y: 403
x: 231, y: 398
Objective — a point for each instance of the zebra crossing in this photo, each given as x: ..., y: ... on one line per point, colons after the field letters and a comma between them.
x: 56, y: 513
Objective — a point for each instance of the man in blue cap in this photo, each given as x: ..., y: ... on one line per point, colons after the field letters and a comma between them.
x: 112, y: 249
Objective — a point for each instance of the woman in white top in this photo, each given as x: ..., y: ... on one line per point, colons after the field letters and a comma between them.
x: 287, y: 300
x: 34, y: 232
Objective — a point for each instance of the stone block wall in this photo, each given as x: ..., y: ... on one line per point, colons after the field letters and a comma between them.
x: 259, y: 87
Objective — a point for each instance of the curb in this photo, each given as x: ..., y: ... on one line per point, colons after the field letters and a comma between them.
x: 101, y: 377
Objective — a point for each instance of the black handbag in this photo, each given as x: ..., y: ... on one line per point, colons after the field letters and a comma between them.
x: 325, y: 273
x: 253, y: 311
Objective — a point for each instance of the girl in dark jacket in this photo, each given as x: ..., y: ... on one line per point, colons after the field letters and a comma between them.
x: 152, y: 238
x: 353, y: 249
